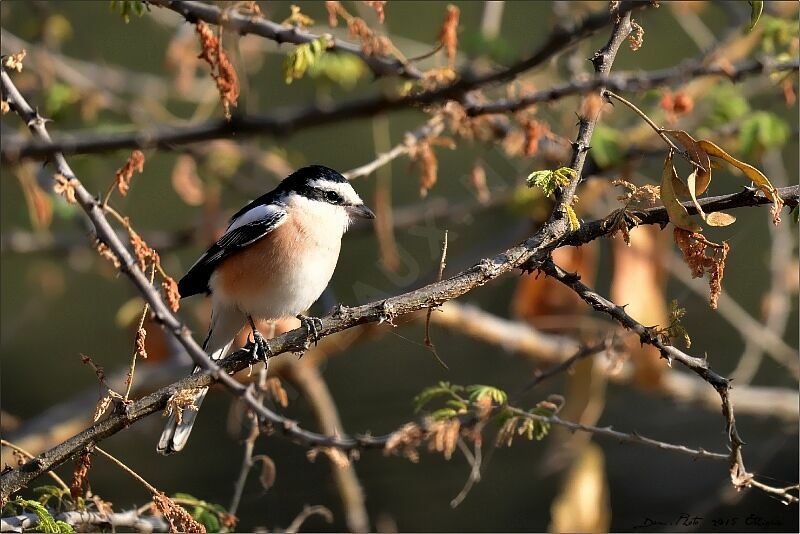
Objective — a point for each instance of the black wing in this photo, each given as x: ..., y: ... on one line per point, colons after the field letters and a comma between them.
x: 246, y: 228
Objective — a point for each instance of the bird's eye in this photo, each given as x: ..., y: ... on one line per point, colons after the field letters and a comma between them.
x: 330, y: 196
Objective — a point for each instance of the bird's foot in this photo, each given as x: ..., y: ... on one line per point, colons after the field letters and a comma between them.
x: 261, y: 346
x: 313, y: 326
x: 261, y: 349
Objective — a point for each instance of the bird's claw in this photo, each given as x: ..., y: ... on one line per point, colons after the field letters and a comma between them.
x: 313, y: 325
x: 260, y: 350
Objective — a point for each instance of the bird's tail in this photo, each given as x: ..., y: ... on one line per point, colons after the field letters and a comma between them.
x: 225, y: 324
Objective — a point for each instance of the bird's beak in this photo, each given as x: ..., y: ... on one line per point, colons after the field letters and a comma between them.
x: 360, y: 211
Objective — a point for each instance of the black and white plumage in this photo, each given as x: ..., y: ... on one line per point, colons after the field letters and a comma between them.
x: 273, y: 261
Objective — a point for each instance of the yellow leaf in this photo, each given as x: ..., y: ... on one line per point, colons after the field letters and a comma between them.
x: 751, y: 172
x: 691, y: 183
x: 720, y: 218
x: 677, y: 213
x: 698, y: 156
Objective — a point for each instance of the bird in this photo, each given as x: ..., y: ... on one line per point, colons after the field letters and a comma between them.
x: 274, y: 261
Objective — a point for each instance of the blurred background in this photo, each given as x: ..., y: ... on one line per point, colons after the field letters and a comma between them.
x: 88, y: 69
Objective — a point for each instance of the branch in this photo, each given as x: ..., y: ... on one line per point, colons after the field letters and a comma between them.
x: 589, y: 231
x: 247, y: 23
x: 739, y: 475
x: 622, y: 437
x: 432, y: 295
x: 287, y: 121
x: 130, y: 519
x: 636, y: 81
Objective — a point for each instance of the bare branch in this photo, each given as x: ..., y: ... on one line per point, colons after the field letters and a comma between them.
x: 288, y: 121
x: 130, y: 519
x: 739, y: 475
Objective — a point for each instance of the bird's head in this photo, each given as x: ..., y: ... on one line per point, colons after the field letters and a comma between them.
x: 322, y: 188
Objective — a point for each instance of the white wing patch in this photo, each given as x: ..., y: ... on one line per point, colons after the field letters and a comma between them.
x: 262, y: 212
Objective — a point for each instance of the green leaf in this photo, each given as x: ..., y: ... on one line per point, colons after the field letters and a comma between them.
x: 46, y: 521
x: 572, y: 218
x: 126, y: 7
x: 756, y: 8
x: 303, y: 57
x: 342, y: 69
x: 478, y: 391
x: 207, y: 519
x: 549, y: 181
x: 47, y: 492
x: 430, y: 393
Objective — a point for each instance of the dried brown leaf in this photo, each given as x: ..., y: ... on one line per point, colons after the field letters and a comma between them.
x: 82, y: 465
x: 222, y: 70
x: 333, y: 7
x: 65, y: 187
x: 379, y: 7
x: 107, y: 253
x: 695, y: 250
x: 14, y: 61
x: 448, y: 35
x: 277, y: 392
x: 751, y: 172
x: 179, y: 519
x: 124, y: 174
x: 170, y: 287
x: 636, y: 37
x: 268, y: 470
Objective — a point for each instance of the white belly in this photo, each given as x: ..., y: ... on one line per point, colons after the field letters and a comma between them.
x: 285, y: 272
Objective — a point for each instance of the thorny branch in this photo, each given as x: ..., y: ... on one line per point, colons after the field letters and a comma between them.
x: 435, y: 294
x: 249, y: 23
x: 739, y: 475
x: 287, y: 121
x: 539, y: 245
x: 290, y: 120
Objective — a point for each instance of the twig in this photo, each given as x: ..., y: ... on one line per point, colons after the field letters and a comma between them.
x: 289, y: 120
x: 622, y: 437
x: 739, y: 475
x: 428, y: 342
x: 474, y: 460
x: 583, y: 352
x: 432, y: 128
x: 130, y: 471
x: 627, y: 82
x: 433, y: 295
x: 244, y: 24
x: 307, y: 512
x: 58, y: 480
x: 659, y: 130
x: 247, y: 463
x: 136, y: 348
x: 130, y: 519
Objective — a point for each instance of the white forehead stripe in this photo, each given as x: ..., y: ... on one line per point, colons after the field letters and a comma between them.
x: 345, y: 190
x: 258, y: 213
